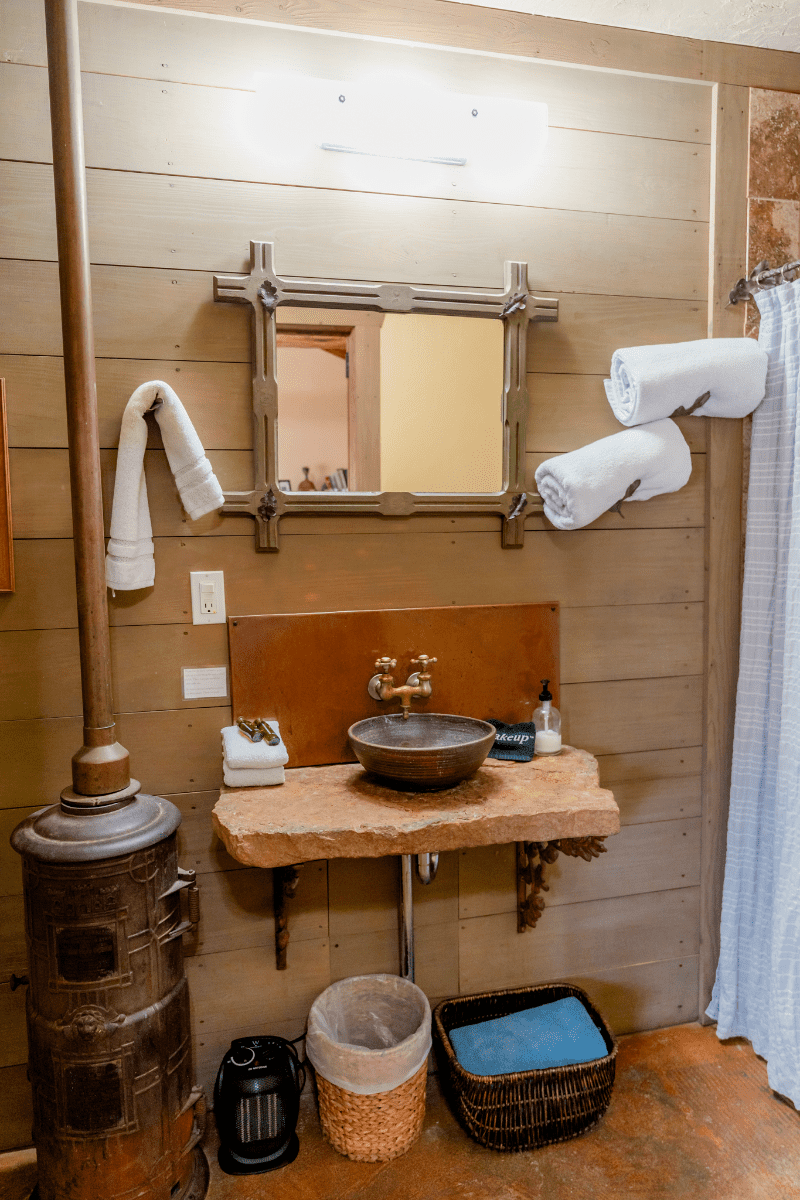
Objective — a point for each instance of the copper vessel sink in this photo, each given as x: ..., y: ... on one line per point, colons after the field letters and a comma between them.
x: 427, y: 752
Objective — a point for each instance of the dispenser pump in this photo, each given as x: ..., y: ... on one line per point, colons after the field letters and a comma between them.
x: 547, y: 723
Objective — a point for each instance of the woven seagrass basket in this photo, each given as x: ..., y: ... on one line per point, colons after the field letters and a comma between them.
x: 524, y: 1109
x: 373, y: 1128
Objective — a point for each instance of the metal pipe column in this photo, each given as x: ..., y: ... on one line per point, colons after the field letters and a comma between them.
x: 101, y: 766
x: 406, y: 918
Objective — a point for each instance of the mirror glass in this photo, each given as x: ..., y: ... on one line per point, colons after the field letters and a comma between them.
x: 394, y: 402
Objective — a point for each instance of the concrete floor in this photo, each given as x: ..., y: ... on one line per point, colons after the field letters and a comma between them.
x: 691, y: 1117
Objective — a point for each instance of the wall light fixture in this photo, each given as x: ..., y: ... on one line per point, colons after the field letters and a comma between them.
x: 406, y: 119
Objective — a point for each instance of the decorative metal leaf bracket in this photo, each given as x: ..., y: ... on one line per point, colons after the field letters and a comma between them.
x: 531, y: 860
x: 264, y: 291
x: 284, y: 886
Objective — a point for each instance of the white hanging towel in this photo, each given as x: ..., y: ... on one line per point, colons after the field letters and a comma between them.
x: 651, y: 382
x: 129, y: 560
x: 635, y: 464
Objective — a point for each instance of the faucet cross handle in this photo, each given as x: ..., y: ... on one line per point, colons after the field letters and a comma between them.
x: 384, y: 665
x: 424, y: 662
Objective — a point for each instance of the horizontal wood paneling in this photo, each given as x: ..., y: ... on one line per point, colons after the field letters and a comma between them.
x: 658, y: 799
x: 170, y: 752
x: 535, y: 37
x: 170, y: 315
x: 648, y: 765
x: 43, y: 670
x: 13, y: 953
x: 513, y: 34
x: 568, y: 411
x: 583, y: 170
x: 349, y: 571
x: 199, y: 848
x: 10, y: 861
x: 216, y: 395
x: 13, y: 1032
x: 646, y: 995
x: 237, y: 911
x: 655, y: 857
x: 486, y: 30
x: 138, y: 314
x: 363, y: 897
x: 628, y: 715
x: 140, y: 220
x: 590, y: 328
x: 45, y: 511
x: 16, y: 1108
x: 179, y: 750
x: 577, y: 938
x: 228, y: 54
x: 244, y: 987
x: 630, y: 642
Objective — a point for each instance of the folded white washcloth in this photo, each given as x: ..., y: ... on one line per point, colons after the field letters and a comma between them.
x: 266, y: 778
x: 240, y: 754
x: 129, y: 561
x: 580, y: 486
x: 651, y: 382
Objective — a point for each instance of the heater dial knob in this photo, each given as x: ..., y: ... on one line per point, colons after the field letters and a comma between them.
x: 243, y: 1056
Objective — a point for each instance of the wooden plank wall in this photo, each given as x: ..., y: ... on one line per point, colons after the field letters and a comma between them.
x: 617, y: 225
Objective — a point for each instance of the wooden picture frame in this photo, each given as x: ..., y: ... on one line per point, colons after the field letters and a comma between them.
x: 6, y: 540
x: 264, y: 291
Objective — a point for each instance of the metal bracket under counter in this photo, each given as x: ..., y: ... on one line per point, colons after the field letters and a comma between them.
x: 339, y: 811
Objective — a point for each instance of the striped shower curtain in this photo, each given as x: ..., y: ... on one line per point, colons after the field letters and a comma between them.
x: 757, y: 990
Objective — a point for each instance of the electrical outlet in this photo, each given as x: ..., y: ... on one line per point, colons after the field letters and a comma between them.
x: 208, y: 597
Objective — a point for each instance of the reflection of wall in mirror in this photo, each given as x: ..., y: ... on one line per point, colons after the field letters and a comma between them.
x: 441, y: 403
x: 312, y: 424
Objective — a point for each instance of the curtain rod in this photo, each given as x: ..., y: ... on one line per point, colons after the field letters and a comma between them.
x: 762, y: 276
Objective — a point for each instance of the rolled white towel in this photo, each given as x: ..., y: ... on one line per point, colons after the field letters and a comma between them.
x: 240, y: 754
x: 129, y: 560
x: 580, y: 486
x: 266, y: 778
x: 651, y: 382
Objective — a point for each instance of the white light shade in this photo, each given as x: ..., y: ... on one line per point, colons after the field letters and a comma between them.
x: 406, y: 119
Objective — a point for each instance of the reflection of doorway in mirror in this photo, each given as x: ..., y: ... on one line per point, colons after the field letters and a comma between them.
x: 329, y: 410
x: 441, y: 403
x: 312, y: 424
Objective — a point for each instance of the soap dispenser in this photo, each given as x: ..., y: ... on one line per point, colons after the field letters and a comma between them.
x: 547, y: 723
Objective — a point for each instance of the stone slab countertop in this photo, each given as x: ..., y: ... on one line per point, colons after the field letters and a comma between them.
x: 342, y: 812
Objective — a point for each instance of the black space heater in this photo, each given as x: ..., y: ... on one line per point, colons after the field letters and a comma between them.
x: 256, y: 1104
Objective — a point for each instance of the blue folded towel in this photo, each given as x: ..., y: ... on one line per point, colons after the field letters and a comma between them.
x: 553, y: 1035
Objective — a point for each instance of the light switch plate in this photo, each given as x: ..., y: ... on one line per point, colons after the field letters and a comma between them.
x: 208, y: 597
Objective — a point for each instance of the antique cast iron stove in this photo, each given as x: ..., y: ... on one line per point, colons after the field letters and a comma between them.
x: 116, y: 1112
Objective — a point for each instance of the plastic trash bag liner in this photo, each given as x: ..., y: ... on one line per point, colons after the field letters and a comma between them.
x: 369, y: 1033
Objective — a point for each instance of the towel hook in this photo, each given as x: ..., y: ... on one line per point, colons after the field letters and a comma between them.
x: 617, y: 508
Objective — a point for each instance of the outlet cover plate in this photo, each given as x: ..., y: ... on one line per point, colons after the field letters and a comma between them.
x: 216, y: 580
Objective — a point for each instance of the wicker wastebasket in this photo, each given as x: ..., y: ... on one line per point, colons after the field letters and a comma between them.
x: 522, y: 1110
x: 368, y: 1040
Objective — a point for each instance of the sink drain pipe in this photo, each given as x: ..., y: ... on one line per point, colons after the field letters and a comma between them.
x: 427, y: 866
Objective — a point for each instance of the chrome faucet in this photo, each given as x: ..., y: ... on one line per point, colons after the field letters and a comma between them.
x: 381, y: 686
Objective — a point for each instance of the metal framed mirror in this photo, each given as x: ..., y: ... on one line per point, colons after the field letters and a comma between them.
x: 414, y: 381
